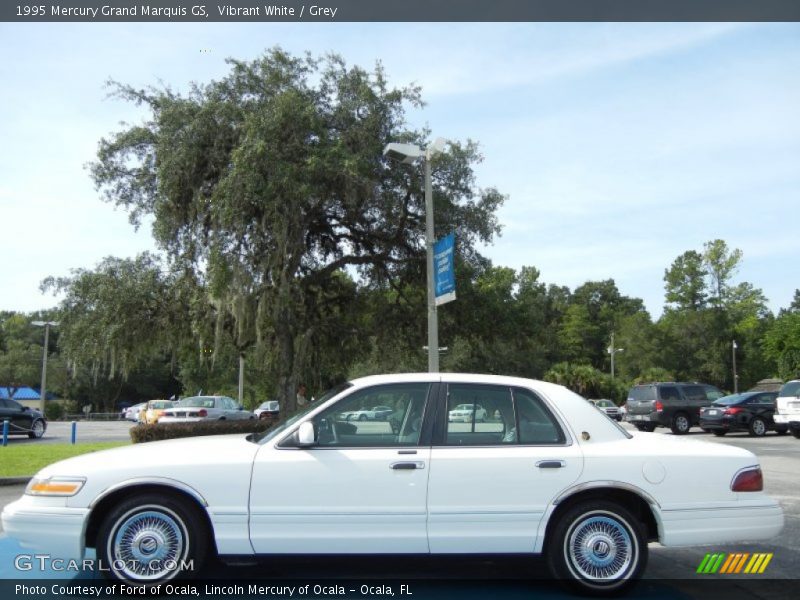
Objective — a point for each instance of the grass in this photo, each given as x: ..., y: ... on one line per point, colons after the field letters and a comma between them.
x: 25, y: 460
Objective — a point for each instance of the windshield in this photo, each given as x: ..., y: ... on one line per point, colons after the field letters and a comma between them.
x: 284, y: 424
x: 790, y: 389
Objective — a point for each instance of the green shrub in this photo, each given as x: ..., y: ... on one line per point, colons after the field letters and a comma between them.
x: 168, y: 431
x: 53, y: 411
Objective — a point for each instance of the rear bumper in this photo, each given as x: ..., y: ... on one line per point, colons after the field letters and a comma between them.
x: 792, y: 420
x: 654, y: 418
x: 721, y: 525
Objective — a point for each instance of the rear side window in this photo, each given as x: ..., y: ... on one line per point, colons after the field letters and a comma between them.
x: 643, y: 393
x: 790, y: 389
x: 504, y: 416
x: 669, y: 392
x: 535, y: 424
x: 695, y: 393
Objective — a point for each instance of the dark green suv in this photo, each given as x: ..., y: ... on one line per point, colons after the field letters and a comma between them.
x: 669, y: 404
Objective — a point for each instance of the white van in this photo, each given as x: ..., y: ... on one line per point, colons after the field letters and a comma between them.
x: 787, y: 406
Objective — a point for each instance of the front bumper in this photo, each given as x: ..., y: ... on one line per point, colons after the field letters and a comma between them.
x: 45, y: 528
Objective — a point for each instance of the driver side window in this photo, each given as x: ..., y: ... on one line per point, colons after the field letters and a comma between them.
x: 380, y: 416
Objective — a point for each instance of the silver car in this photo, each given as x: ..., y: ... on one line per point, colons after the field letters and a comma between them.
x: 205, y: 408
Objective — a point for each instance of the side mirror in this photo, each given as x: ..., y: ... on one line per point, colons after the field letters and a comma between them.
x: 305, y: 435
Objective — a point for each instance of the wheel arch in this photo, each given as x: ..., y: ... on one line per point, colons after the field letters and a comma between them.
x: 638, y: 502
x: 104, y: 503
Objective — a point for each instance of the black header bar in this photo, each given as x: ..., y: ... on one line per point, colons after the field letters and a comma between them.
x: 399, y: 11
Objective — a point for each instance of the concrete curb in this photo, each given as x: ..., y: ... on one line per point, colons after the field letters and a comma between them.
x: 14, y: 480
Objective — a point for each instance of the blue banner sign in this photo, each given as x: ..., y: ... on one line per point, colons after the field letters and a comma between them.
x: 444, y: 269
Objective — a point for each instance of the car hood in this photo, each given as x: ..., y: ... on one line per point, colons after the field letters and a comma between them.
x: 216, y: 468
x: 159, y: 458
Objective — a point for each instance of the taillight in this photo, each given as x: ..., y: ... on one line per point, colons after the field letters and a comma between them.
x: 202, y: 412
x: 735, y: 410
x: 750, y: 480
x: 659, y: 406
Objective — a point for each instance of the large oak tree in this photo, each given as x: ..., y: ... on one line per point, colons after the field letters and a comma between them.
x: 269, y: 183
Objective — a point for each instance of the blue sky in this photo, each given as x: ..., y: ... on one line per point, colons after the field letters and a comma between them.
x: 620, y: 146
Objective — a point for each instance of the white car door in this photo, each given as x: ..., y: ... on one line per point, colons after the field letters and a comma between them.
x: 360, y: 489
x: 491, y: 483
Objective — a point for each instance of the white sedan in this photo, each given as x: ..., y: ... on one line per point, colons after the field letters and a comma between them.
x: 548, y: 474
x: 376, y: 413
x: 205, y: 408
x: 132, y: 413
x: 467, y: 413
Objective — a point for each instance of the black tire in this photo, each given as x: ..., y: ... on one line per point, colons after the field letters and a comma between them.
x: 719, y: 432
x: 757, y: 427
x: 796, y: 433
x: 362, y: 417
x: 597, y: 547
x: 38, y: 427
x: 648, y: 427
x: 168, y: 533
x: 681, y: 424
x: 782, y: 431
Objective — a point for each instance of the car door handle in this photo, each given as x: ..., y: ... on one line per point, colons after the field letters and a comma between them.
x: 407, y: 465
x: 551, y: 464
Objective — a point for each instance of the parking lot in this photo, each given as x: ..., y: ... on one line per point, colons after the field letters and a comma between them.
x: 60, y: 432
x: 670, y: 572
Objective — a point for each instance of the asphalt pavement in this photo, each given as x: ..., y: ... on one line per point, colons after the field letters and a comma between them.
x: 60, y: 432
x: 671, y: 572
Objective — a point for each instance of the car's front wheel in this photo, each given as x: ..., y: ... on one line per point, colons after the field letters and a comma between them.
x: 597, y: 547
x: 37, y: 429
x: 151, y: 538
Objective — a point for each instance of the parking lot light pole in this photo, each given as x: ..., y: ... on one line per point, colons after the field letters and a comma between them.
x: 409, y: 154
x: 46, y: 325
x: 735, y: 376
x: 612, y: 350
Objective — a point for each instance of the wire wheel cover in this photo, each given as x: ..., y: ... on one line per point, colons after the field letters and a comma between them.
x: 148, y: 544
x: 600, y: 547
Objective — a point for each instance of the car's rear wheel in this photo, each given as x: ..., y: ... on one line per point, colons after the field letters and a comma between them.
x: 796, y: 433
x: 362, y: 417
x: 782, y: 430
x: 719, y: 432
x: 681, y: 424
x: 151, y: 538
x: 758, y: 427
x: 597, y: 547
x: 648, y: 427
x: 37, y: 429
